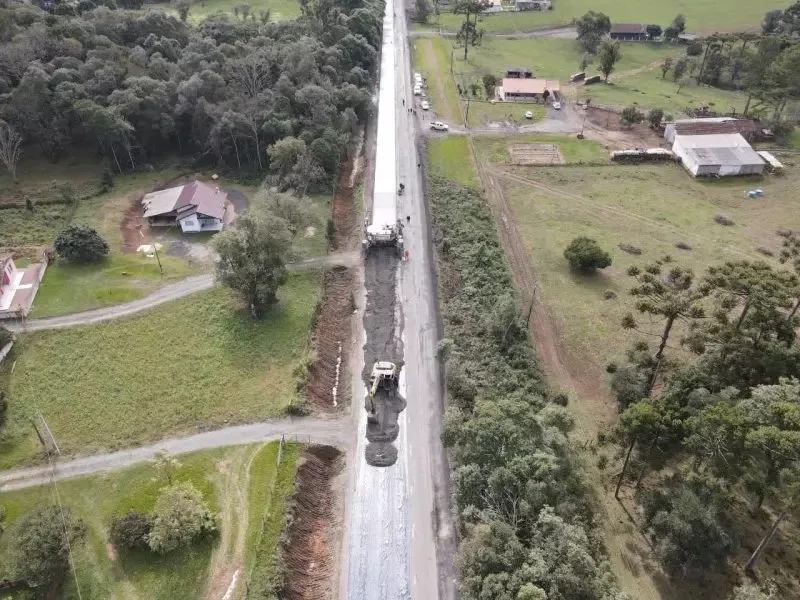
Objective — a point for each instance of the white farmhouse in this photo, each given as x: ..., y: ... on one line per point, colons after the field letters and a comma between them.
x: 717, y: 155
x: 195, y: 206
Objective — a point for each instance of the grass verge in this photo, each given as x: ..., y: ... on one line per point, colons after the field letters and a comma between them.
x: 450, y: 158
x: 194, y: 363
x: 573, y: 150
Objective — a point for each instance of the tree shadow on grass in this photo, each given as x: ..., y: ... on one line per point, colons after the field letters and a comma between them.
x: 178, y: 574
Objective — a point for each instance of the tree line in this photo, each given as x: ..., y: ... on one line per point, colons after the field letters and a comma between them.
x: 248, y: 94
x: 526, y: 521
x: 696, y: 436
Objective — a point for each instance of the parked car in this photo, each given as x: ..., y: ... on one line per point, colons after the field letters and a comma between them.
x: 557, y: 105
x: 425, y: 105
x: 439, y: 126
x: 417, y: 90
x: 529, y: 115
x: 418, y: 77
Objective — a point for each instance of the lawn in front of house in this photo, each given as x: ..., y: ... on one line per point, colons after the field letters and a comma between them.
x: 183, y: 574
x: 120, y: 278
x: 195, y: 363
x: 702, y: 16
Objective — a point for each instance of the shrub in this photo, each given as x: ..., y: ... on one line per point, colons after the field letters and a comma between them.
x: 39, y: 546
x: 585, y: 255
x: 631, y: 115
x: 655, y: 117
x: 609, y: 295
x: 130, y: 530
x: 80, y: 244
x: 723, y: 220
x: 5, y: 336
x: 179, y: 517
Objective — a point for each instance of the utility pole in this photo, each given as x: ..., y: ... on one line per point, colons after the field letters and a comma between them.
x: 452, y: 52
x: 466, y: 117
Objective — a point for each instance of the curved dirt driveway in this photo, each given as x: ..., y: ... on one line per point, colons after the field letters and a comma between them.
x: 172, y: 291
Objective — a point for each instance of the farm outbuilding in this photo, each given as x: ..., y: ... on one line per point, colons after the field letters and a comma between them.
x: 526, y: 90
x: 711, y: 125
x: 717, y: 155
x: 628, y: 32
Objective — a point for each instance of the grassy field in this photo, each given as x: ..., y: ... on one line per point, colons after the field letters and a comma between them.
x: 432, y: 59
x: 191, y: 364
x: 39, y: 227
x: 279, y: 10
x: 184, y: 573
x: 573, y: 151
x: 647, y: 89
x: 702, y: 16
x: 450, y: 158
x: 648, y: 207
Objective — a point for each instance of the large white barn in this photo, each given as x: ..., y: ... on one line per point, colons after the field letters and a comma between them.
x: 717, y: 155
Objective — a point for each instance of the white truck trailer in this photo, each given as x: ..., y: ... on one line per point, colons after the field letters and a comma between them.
x: 385, y: 228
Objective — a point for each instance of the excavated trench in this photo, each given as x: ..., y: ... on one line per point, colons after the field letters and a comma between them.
x: 383, y: 327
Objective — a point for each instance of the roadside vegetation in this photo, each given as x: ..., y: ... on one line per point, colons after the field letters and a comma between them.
x: 195, y: 362
x: 518, y: 482
x: 115, y: 514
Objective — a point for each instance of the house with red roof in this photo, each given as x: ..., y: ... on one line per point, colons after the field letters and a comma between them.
x: 195, y: 207
x: 18, y: 287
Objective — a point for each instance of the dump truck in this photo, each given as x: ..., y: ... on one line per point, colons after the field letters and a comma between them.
x: 383, y: 377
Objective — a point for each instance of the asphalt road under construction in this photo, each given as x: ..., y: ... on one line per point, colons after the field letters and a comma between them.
x: 399, y: 537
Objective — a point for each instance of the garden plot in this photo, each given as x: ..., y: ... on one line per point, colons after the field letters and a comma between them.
x: 535, y: 154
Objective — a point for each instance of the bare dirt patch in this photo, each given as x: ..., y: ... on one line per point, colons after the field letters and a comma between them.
x: 132, y: 223
x: 535, y: 154
x: 309, y: 550
x: 604, y: 125
x: 327, y: 386
x: 344, y: 209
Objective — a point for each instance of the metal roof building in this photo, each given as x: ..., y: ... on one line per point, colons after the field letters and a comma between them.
x: 710, y: 125
x: 717, y: 155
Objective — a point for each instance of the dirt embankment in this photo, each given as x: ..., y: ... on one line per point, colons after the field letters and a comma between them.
x: 327, y: 386
x: 327, y: 389
x: 309, y: 548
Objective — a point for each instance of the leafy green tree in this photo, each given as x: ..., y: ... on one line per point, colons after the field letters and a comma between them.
x: 608, y: 55
x: 10, y: 148
x: 179, y: 517
x: 631, y: 115
x: 592, y: 27
x: 773, y: 438
x: 40, y: 541
x: 80, y: 244
x: 183, y: 8
x: 489, y: 83
x: 716, y: 438
x: 679, y: 23
x: 686, y: 523
x: 252, y: 259
x: 298, y: 212
x: 130, y: 530
x: 679, y: 68
x: 284, y: 155
x: 654, y: 32
x: 421, y: 11
x: 585, y: 255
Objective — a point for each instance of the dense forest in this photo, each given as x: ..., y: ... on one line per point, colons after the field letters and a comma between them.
x: 244, y: 92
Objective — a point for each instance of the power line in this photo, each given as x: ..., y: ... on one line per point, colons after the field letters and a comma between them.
x: 48, y: 453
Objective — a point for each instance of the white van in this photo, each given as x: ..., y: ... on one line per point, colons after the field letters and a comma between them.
x: 417, y: 90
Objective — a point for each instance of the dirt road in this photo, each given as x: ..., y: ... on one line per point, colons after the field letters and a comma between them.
x: 319, y: 431
x: 173, y: 291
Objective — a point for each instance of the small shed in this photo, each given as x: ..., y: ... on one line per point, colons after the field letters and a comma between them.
x: 773, y: 164
x: 518, y: 73
x: 533, y: 4
x: 628, y: 32
x: 717, y: 155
